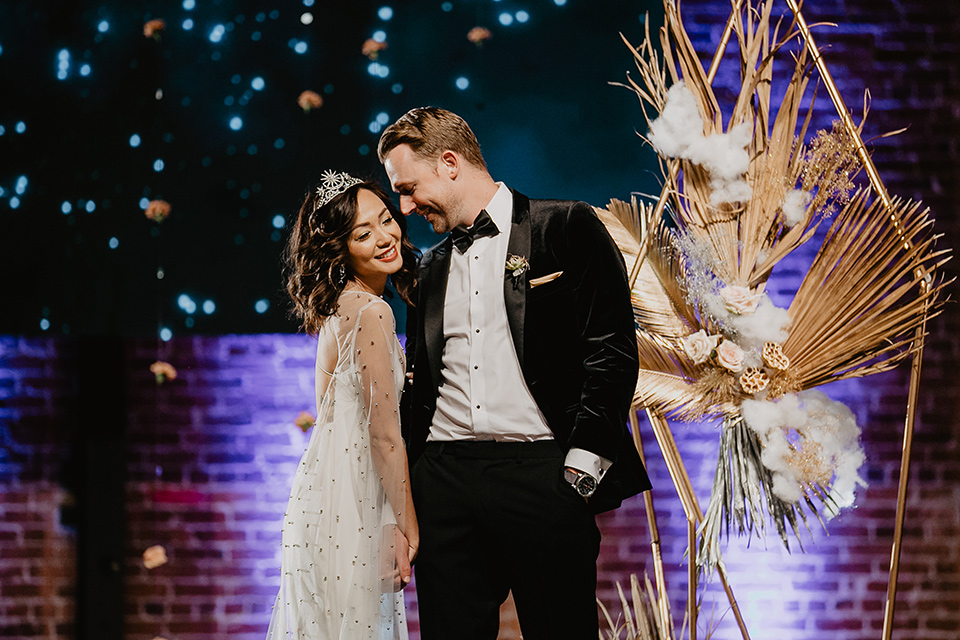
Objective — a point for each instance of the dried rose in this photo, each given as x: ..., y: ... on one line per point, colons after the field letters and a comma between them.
x: 309, y: 100
x: 152, y: 28
x: 164, y: 371
x: 154, y: 557
x: 372, y: 48
x: 477, y: 35
x: 739, y: 300
x: 158, y: 210
x: 698, y: 346
x: 305, y: 420
x: 730, y: 356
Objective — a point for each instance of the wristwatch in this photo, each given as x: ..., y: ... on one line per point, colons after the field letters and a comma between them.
x: 584, y: 483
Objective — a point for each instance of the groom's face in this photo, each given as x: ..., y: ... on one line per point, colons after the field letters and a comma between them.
x: 424, y: 186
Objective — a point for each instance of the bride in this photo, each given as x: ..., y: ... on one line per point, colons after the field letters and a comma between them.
x: 349, y: 531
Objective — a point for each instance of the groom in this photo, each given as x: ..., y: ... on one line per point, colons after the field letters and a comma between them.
x: 523, y: 355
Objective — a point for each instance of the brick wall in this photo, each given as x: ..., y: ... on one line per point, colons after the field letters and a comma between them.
x: 210, y: 455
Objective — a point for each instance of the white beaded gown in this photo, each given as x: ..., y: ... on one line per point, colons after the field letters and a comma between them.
x: 338, y: 570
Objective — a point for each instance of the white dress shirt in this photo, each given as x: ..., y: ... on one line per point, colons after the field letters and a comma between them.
x: 484, y: 395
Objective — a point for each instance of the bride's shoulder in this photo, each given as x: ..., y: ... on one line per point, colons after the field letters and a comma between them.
x: 356, y: 303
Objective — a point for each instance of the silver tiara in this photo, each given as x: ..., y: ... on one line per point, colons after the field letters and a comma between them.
x: 332, y: 184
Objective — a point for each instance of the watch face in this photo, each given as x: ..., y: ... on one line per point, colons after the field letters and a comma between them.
x: 586, y: 486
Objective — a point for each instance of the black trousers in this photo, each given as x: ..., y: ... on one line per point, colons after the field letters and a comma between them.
x: 496, y: 517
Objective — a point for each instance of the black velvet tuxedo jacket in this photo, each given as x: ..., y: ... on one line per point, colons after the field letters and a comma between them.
x: 575, y: 338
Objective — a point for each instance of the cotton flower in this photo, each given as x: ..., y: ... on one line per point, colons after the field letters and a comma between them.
x: 372, y: 48
x: 730, y: 356
x: 154, y: 557
x: 795, y: 207
x: 309, y: 100
x: 305, y: 420
x: 158, y: 210
x: 678, y: 133
x: 739, y: 300
x: 152, y: 28
x: 698, y: 346
x: 163, y: 371
x: 478, y: 35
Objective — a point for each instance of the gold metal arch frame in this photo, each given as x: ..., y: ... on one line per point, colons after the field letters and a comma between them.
x: 673, y: 386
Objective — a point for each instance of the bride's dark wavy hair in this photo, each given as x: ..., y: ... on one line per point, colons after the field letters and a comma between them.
x: 317, y: 249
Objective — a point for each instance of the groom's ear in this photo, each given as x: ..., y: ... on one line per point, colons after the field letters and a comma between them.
x: 448, y: 164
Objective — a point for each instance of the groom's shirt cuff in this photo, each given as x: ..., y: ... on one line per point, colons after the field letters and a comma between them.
x: 587, y: 462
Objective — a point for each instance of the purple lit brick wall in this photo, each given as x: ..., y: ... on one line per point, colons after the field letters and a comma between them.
x: 211, y: 455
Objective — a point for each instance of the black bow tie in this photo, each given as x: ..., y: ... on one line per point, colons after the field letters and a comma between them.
x: 483, y: 226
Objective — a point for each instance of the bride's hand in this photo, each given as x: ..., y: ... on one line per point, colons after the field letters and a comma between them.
x: 403, y: 558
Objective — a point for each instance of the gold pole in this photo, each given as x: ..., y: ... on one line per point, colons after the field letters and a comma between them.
x: 692, y: 579
x: 691, y: 507
x: 724, y: 39
x: 926, y: 280
x: 659, y: 574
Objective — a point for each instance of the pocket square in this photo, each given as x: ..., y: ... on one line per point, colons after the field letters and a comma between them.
x: 536, y: 282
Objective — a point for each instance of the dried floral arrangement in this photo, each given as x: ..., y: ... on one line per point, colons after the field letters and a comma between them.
x: 738, y: 198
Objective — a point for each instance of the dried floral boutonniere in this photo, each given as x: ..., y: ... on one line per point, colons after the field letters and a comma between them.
x: 517, y: 266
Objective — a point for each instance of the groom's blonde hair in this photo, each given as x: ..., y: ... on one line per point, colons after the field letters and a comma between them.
x: 430, y: 131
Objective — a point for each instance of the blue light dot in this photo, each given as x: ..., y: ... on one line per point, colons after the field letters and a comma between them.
x: 20, y: 127
x: 257, y: 83
x: 189, y: 4
x: 144, y: 203
x: 188, y: 24
x: 188, y: 322
x: 255, y: 36
x: 363, y: 150
x: 380, y: 35
x: 165, y: 334
x: 135, y: 140
x: 278, y: 143
x: 44, y: 324
x: 158, y: 165
x: 383, y: 118
x: 3, y: 129
x: 63, y: 65
x: 447, y: 6
x: 279, y: 221
x: 186, y: 303
x: 506, y: 19
x: 236, y: 123
x: 217, y: 34
x: 522, y: 16
x: 21, y: 185
x: 91, y: 206
x: 345, y: 129
x: 103, y: 27
x: 462, y: 83
x: 61, y: 75
x: 385, y: 13
x: 63, y: 55
x: 252, y: 150
x: 260, y: 17
x: 375, y: 127
x: 261, y: 305
x: 308, y: 3
x: 66, y: 207
x: 301, y: 47
x: 228, y: 101
x: 235, y: 78
x: 397, y: 88
x: 85, y: 70
x: 113, y: 243
x: 559, y: 3
x: 209, y: 306
x: 14, y: 202
x: 274, y: 14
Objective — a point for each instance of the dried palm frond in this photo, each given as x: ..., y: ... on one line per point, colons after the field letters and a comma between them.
x: 642, y: 615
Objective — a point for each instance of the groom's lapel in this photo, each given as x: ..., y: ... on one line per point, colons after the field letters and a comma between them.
x: 515, y: 289
x: 435, y: 281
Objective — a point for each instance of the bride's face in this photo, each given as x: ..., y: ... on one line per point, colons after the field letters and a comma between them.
x: 374, y: 243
